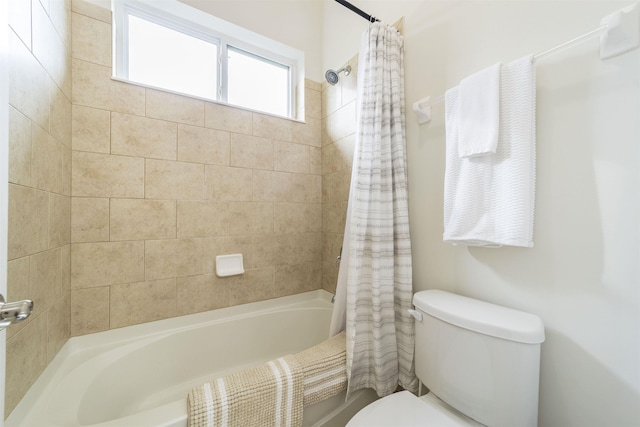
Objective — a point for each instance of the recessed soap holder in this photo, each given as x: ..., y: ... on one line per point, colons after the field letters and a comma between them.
x: 229, y: 265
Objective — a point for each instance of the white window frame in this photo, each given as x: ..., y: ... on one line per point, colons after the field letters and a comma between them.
x: 185, y: 19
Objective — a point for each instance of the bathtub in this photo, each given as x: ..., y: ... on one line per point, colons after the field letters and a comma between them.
x: 139, y: 376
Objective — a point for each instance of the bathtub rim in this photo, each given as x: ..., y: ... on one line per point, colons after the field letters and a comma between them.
x: 86, y: 346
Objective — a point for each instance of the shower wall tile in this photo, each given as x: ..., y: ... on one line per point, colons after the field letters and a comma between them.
x: 163, y: 183
x: 221, y: 117
x: 134, y: 303
x: 89, y: 310
x: 173, y: 258
x: 174, y: 108
x: 202, y: 145
x: 173, y: 180
x: 91, y: 40
x: 90, y: 219
x: 93, y: 87
x: 142, y: 219
x: 28, y: 221
x: 195, y: 294
x: 39, y: 186
x: 106, y: 263
x: 290, y: 157
x: 91, y: 10
x: 91, y: 129
x: 19, y: 148
x: 251, y: 152
x: 342, y: 122
x: 104, y: 175
x: 228, y: 184
x: 143, y: 137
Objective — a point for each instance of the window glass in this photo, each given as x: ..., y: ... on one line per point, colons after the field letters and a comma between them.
x: 166, y: 58
x: 257, y: 83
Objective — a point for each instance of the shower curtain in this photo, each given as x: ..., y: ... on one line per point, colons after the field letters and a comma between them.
x: 374, y: 287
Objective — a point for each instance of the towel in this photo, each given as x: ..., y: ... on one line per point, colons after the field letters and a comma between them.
x: 266, y: 395
x: 274, y: 393
x: 479, y: 109
x: 489, y: 200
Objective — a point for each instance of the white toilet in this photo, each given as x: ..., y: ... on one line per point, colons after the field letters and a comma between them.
x: 480, y: 362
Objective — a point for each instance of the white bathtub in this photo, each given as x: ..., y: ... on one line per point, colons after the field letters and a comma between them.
x: 139, y: 376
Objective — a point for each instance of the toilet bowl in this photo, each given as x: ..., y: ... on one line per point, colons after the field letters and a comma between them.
x: 480, y: 361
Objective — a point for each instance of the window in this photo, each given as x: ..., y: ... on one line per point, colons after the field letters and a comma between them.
x: 169, y: 45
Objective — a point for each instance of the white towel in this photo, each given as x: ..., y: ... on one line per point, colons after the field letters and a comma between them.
x: 479, y: 112
x: 489, y: 200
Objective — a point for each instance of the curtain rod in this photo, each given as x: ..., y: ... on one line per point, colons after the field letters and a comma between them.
x: 360, y: 12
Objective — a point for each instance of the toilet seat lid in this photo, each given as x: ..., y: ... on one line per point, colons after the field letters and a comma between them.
x: 403, y: 409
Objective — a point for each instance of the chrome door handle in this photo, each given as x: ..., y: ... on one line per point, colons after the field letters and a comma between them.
x: 14, y: 312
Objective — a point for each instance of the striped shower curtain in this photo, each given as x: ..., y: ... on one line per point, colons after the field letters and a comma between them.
x: 380, y: 332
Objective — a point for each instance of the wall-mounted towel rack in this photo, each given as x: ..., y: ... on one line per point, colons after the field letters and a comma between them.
x: 619, y: 33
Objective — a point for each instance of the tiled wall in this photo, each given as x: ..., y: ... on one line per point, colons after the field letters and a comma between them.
x: 338, y: 139
x: 39, y: 186
x: 161, y: 184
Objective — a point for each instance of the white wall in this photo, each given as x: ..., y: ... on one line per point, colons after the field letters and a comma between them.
x: 582, y: 277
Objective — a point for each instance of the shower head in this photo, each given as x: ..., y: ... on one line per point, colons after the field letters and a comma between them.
x: 332, y: 75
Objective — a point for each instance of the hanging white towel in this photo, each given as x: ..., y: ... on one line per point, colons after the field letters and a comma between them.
x: 489, y: 200
x: 479, y: 113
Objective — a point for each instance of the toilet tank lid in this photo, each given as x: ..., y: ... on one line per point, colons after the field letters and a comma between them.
x: 480, y: 316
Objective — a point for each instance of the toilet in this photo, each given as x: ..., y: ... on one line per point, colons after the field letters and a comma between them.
x: 479, y: 361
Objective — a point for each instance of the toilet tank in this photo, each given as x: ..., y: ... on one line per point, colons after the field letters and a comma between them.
x: 480, y: 358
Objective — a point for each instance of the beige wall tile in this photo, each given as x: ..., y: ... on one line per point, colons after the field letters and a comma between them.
x: 46, y: 161
x: 89, y: 219
x: 253, y: 285
x: 309, y: 133
x: 19, y: 16
x: 140, y: 219
x: 26, y: 359
x: 45, y: 280
x: 222, y: 117
x: 272, y: 127
x: 335, y: 186
x: 100, y: 264
x: 28, y: 221
x: 103, y: 175
x: 91, y: 40
x: 175, y: 108
x: 19, y: 148
x: 49, y: 48
x: 18, y: 288
x: 243, y: 218
x: 251, y: 152
x: 200, y: 293
x: 329, y: 277
x: 60, y: 124
x: 201, y: 145
x: 173, y: 258
x: 331, y: 99
x: 297, y: 218
x: 228, y: 184
x: 334, y: 217
x: 59, y: 220
x: 201, y: 219
x: 65, y: 268
x: 26, y: 78
x: 66, y: 171
x: 91, y: 10
x: 286, y: 187
x: 297, y: 278
x: 290, y: 157
x: 338, y: 156
x: 93, y: 87
x: 298, y: 248
x: 342, y: 122
x: 313, y: 103
x: 331, y: 246
x: 89, y: 310
x: 58, y: 325
x: 143, y: 137
x: 91, y: 129
x: 60, y: 13
x: 315, y: 160
x: 173, y: 180
x: 135, y: 303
